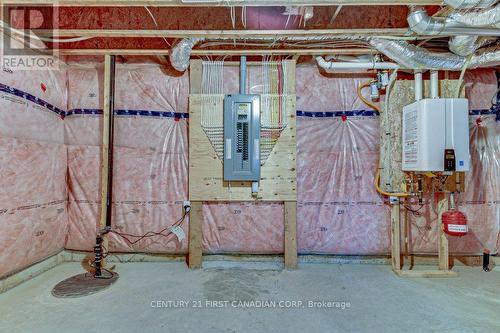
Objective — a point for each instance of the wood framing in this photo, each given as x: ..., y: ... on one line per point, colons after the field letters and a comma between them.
x: 124, y: 52
x: 396, y: 237
x: 443, y: 256
x: 290, y: 245
x: 106, y: 112
x: 195, y: 235
x: 206, y: 183
x: 278, y: 174
x: 180, y: 3
x: 238, y: 34
x: 444, y: 261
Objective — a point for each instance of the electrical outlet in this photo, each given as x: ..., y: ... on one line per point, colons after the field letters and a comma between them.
x: 186, y: 204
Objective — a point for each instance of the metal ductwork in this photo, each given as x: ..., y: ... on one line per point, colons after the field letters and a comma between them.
x: 467, y: 45
x: 406, y: 55
x: 463, y: 4
x: 414, y: 57
x: 478, y: 18
x: 463, y: 45
x: 459, y: 24
x: 181, y: 52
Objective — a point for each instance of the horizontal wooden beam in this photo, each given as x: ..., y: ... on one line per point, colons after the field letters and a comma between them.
x: 239, y: 34
x: 214, y: 3
x: 90, y: 52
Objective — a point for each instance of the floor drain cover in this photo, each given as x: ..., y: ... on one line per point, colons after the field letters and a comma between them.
x: 82, y: 285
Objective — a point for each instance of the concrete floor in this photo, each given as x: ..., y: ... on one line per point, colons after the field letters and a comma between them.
x: 379, y: 301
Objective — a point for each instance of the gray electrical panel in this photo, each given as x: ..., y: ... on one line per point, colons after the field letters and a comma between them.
x: 242, y: 137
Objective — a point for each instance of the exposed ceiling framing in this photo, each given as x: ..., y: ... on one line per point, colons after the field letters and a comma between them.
x: 97, y: 52
x: 243, y: 34
x: 205, y: 3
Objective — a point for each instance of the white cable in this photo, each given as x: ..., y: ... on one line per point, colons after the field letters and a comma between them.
x: 156, y: 24
x: 334, y: 16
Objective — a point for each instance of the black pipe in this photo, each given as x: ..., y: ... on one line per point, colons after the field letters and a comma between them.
x: 486, y: 261
x: 111, y: 108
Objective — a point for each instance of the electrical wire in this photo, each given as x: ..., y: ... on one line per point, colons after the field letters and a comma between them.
x: 335, y: 14
x: 156, y: 24
x: 126, y: 236
x: 415, y: 212
x: 149, y: 234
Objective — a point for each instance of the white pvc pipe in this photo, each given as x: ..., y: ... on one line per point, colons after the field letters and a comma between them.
x: 355, y: 65
x: 434, y: 84
x: 418, y: 86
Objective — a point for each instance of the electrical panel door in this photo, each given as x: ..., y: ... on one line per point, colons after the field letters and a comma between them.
x: 242, y: 137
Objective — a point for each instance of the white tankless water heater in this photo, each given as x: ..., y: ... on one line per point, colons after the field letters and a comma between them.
x: 436, y: 135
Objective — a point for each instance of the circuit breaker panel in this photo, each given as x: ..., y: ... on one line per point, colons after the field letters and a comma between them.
x: 242, y: 138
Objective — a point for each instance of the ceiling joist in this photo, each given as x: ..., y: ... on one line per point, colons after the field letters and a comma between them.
x: 322, y: 51
x: 208, y: 3
x: 238, y: 34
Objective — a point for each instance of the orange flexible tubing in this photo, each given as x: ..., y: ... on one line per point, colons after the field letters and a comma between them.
x: 367, y: 102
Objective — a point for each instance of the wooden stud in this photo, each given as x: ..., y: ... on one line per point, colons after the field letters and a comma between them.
x: 425, y: 273
x: 106, y: 112
x: 206, y: 3
x: 396, y: 238
x: 198, y: 52
x: 154, y: 33
x: 195, y: 75
x: 195, y: 235
x: 290, y: 234
x: 443, y: 241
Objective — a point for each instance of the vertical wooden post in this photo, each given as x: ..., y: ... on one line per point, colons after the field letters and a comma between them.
x: 106, y: 111
x: 195, y: 235
x: 395, y: 238
x: 443, y: 241
x: 290, y: 234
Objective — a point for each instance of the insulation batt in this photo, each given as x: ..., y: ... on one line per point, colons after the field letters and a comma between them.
x: 33, y: 214
x: 338, y: 209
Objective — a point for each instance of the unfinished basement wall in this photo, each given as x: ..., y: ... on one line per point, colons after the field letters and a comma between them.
x: 150, y: 155
x: 33, y: 215
x: 339, y: 211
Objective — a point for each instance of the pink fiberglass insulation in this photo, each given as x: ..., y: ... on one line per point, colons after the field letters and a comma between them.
x: 33, y: 215
x: 481, y: 200
x: 339, y: 211
x: 150, y: 156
